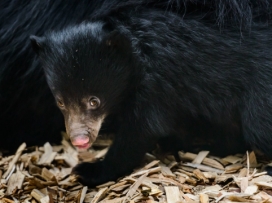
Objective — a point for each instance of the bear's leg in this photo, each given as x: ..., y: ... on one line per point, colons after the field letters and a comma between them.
x: 257, y: 123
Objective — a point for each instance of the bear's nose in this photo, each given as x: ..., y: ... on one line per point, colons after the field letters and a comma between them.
x: 80, y: 140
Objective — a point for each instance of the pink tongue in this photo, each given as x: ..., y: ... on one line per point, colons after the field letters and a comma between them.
x: 80, y: 140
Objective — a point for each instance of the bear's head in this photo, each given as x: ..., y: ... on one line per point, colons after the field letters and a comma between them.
x: 90, y: 71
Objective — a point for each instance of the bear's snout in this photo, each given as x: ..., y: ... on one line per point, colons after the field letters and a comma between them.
x: 81, y: 141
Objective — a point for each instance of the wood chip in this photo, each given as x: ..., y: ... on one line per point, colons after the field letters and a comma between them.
x: 151, y: 164
x: 203, y: 167
x: 135, y: 186
x: 200, y: 157
x: 48, y: 155
x: 15, y: 159
x: 47, y: 175
x: 233, y: 168
x: 172, y: 194
x: 264, y: 184
x: 200, y: 175
x: 204, y: 198
x: 37, y: 195
x: 107, y: 184
x: 83, y: 194
x: 101, y: 193
x: 115, y: 200
x: 15, y: 182
x: 43, y: 179
x: 166, y: 171
x: 251, y: 190
x: 264, y: 178
x: 232, y: 159
x: 206, y: 161
x: 243, y: 184
x: 148, y: 171
x: 252, y: 159
x: 214, y: 188
x: 243, y: 173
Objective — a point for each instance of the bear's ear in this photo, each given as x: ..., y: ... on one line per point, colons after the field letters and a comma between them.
x: 117, y: 41
x: 37, y: 43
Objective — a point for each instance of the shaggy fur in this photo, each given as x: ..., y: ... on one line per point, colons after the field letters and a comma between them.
x: 27, y: 109
x: 162, y: 72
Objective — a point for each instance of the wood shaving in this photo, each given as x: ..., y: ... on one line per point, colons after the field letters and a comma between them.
x: 43, y: 176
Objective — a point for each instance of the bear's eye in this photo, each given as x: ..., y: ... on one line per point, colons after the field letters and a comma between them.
x: 94, y: 102
x: 60, y: 103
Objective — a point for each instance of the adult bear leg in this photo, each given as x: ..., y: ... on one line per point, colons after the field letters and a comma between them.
x: 257, y: 123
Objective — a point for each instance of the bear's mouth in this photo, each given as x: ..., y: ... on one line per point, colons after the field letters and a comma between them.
x: 83, y: 146
x: 81, y: 142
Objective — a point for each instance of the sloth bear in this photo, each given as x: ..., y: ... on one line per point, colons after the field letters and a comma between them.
x: 203, y: 71
x: 27, y: 109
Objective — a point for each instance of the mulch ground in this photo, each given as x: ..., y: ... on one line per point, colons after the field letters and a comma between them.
x: 42, y: 174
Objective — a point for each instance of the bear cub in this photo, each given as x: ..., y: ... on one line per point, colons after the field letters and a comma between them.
x: 158, y: 74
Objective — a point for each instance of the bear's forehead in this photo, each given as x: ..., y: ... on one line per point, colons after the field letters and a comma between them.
x: 84, y: 31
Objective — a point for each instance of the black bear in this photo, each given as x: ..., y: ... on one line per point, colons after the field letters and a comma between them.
x: 28, y: 112
x: 27, y: 109
x: 162, y: 72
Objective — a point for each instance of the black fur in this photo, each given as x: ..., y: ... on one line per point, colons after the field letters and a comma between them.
x: 27, y: 109
x: 167, y: 72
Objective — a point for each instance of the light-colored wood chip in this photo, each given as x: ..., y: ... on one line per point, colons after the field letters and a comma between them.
x: 83, y: 194
x: 232, y: 159
x: 107, y: 184
x: 243, y: 184
x: 200, y: 157
x: 209, y: 189
x: 263, y: 178
x: 120, y: 188
x: 15, y: 182
x: 47, y: 175
x: 172, y: 194
x: 37, y: 195
x: 48, y: 155
x: 200, y: 175
x: 46, y: 199
x: 166, y: 171
x: 203, y: 167
x: 14, y: 159
x: 265, y: 196
x: 210, y: 175
x: 264, y: 184
x: 243, y: 173
x: 151, y: 164
x: 252, y: 189
x: 135, y: 186
x: 206, y: 161
x: 211, y: 178
x: 71, y: 160
x: 101, y: 193
x: 148, y: 171
x: 233, y: 168
x: 6, y: 160
x: 115, y: 200
x: 120, y: 184
x: 204, y: 198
